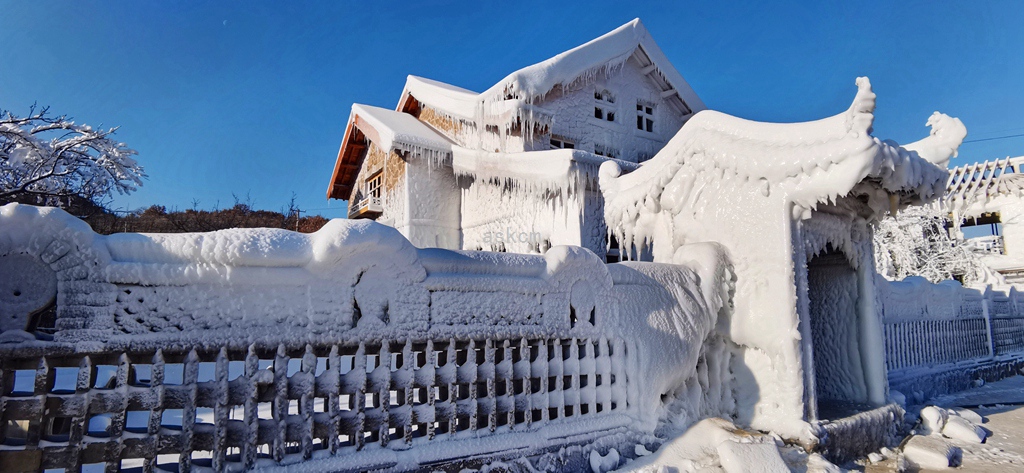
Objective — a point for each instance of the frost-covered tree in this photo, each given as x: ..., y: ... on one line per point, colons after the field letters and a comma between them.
x: 49, y: 159
x: 916, y: 242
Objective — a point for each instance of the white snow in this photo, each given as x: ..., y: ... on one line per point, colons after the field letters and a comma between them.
x: 931, y: 452
x: 603, y: 463
x: 567, y: 68
x: 964, y: 430
x: 738, y: 457
x: 401, y: 131
x: 766, y: 191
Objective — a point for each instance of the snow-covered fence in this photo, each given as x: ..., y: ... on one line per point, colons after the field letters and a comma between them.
x: 230, y: 409
x: 347, y: 349
x: 935, y: 324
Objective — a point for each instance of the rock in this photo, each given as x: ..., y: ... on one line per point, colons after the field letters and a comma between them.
x: 875, y: 457
x: 818, y: 464
x: 970, y: 415
x: 602, y: 463
x: 962, y: 429
x: 931, y: 452
x: 933, y: 419
x: 739, y: 457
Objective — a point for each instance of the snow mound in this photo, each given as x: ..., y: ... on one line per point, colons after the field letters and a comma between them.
x: 716, y: 444
x: 958, y: 428
x: 931, y: 452
x: 738, y: 457
x: 602, y: 463
x: 952, y: 423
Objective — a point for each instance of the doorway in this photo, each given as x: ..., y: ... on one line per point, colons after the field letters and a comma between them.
x: 839, y: 379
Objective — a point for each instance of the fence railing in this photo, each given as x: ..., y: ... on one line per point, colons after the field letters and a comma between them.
x: 992, y: 244
x: 928, y: 324
x: 226, y: 409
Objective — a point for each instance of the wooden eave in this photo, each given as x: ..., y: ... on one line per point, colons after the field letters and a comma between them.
x: 358, y: 136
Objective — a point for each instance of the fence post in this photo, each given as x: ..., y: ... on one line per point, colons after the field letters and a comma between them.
x: 988, y: 321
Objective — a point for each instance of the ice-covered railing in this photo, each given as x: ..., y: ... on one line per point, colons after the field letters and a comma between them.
x: 929, y: 324
x: 979, y: 182
x: 343, y: 349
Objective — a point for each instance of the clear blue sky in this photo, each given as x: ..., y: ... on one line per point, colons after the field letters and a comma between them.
x: 252, y: 97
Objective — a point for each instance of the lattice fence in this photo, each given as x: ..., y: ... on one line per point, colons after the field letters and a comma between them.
x: 180, y: 409
x: 931, y: 342
x: 936, y: 324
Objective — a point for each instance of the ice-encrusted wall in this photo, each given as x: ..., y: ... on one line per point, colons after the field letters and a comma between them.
x: 433, y: 200
x: 941, y: 338
x: 357, y: 280
x: 754, y: 187
x: 832, y: 293
x: 573, y: 110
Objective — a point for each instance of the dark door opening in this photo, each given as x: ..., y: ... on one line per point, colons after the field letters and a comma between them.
x: 839, y: 380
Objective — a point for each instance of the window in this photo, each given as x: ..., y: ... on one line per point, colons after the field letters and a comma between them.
x: 644, y: 116
x: 604, y: 108
x: 373, y: 185
x: 558, y: 142
x: 605, y: 151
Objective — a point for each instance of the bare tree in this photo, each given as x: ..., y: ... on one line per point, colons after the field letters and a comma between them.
x: 44, y: 159
x: 916, y: 242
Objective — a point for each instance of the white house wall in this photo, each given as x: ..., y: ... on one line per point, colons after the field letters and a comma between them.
x: 434, y: 205
x: 573, y: 114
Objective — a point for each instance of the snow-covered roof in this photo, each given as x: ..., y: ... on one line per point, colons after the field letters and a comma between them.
x: 610, y: 50
x: 570, y: 67
x: 454, y: 100
x: 814, y: 162
x: 389, y: 130
x: 397, y: 130
x: 556, y: 170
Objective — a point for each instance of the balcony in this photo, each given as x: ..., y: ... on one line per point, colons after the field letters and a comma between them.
x: 988, y: 245
x: 369, y: 207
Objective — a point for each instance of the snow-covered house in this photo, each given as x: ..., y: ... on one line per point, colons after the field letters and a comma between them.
x: 514, y: 168
x: 988, y: 197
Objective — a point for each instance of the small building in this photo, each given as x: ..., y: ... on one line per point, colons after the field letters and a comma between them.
x: 793, y: 205
x: 514, y: 168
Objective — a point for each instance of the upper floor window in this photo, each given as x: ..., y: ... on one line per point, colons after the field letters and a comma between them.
x: 373, y: 185
x: 644, y: 116
x: 558, y: 142
x: 604, y: 105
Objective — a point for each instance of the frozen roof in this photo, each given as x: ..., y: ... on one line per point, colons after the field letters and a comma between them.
x: 397, y: 130
x: 570, y: 67
x: 612, y: 48
x: 814, y: 162
x: 454, y: 100
x: 389, y: 130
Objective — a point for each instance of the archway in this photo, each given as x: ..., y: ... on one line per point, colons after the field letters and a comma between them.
x: 833, y: 292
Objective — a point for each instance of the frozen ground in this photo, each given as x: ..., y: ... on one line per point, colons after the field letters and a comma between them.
x: 1001, y: 404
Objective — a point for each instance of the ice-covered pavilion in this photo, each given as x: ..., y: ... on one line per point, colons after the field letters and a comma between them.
x: 792, y: 205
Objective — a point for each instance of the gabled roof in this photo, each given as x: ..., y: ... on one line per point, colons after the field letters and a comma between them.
x: 390, y: 130
x: 580, y: 63
x: 397, y: 130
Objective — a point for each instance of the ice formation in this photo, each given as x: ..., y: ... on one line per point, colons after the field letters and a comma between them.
x: 779, y: 196
x: 524, y: 155
x: 615, y: 348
